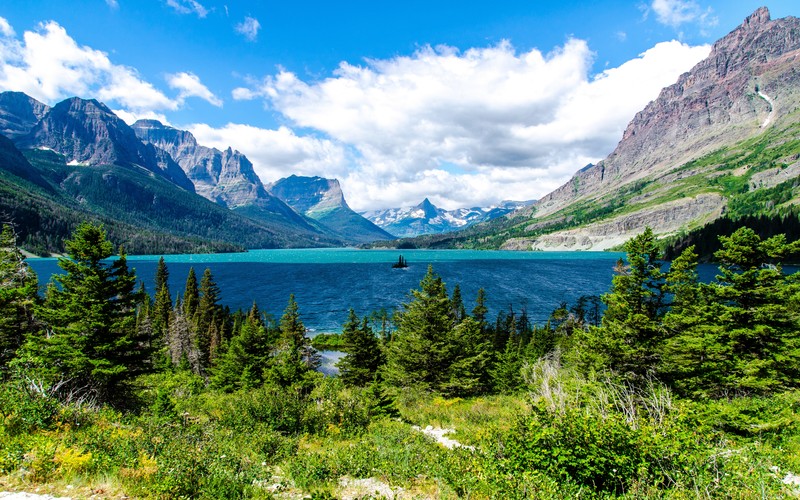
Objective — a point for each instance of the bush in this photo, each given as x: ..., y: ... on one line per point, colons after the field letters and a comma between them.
x: 335, y: 409
x: 26, y: 406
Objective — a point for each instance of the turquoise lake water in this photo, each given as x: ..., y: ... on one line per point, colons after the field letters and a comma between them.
x: 328, y: 282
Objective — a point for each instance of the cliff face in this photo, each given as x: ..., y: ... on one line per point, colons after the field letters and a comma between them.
x: 87, y: 132
x: 750, y: 81
x: 226, y: 177
x: 19, y: 113
x: 323, y: 200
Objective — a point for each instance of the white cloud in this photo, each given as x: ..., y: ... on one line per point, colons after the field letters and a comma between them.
x: 5, y: 28
x: 249, y: 28
x: 277, y: 153
x: 485, y: 124
x: 130, y: 117
x: 677, y: 12
x: 188, y: 7
x: 114, y: 4
x: 189, y: 85
x: 49, y: 65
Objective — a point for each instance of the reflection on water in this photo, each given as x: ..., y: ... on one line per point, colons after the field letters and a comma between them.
x: 328, y: 362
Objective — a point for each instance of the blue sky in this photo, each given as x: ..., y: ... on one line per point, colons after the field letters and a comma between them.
x: 466, y: 102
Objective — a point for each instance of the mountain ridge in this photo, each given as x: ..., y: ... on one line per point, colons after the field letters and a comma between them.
x: 323, y: 200
x: 427, y: 218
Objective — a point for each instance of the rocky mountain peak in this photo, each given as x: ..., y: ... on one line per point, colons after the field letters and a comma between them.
x: 87, y: 132
x: 747, y: 82
x: 19, y: 113
x: 759, y: 17
x: 306, y: 194
x: 429, y: 210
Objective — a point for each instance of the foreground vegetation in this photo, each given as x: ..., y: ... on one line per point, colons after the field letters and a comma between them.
x: 667, y: 388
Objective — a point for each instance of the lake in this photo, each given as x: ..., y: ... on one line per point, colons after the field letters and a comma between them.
x: 328, y: 282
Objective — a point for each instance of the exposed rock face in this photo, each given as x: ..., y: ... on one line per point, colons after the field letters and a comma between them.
x: 323, y: 200
x: 427, y: 218
x: 86, y: 132
x: 225, y: 177
x: 749, y: 80
x: 19, y: 113
x: 667, y: 218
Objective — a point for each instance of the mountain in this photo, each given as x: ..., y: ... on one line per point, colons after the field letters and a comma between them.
x: 224, y: 177
x: 81, y: 162
x: 720, y: 142
x: 19, y: 113
x: 322, y: 200
x: 86, y: 132
x: 426, y: 218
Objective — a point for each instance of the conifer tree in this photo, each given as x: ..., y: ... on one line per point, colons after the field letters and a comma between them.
x: 696, y: 354
x: 480, y: 311
x: 627, y: 340
x: 759, y: 311
x: 162, y: 306
x: 471, y: 358
x: 360, y: 365
x: 459, y: 312
x: 18, y: 296
x: 182, y: 341
x: 295, y: 357
x: 245, y: 362
x: 419, y: 354
x: 90, y: 335
x: 191, y: 295
x: 208, y: 311
x: 507, y: 370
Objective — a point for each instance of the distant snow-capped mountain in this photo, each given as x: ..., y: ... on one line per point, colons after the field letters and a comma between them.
x: 427, y: 218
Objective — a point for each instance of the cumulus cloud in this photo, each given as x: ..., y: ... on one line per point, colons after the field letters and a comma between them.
x: 49, y: 65
x: 5, y: 28
x: 490, y: 121
x: 189, y: 85
x: 677, y: 12
x: 130, y: 117
x: 277, y: 153
x: 188, y: 7
x: 249, y: 28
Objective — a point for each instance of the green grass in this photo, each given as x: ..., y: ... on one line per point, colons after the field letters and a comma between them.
x: 213, y: 445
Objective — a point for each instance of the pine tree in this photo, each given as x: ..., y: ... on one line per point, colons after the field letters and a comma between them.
x: 295, y: 357
x: 191, y: 295
x: 760, y: 311
x: 182, y: 341
x: 360, y: 365
x: 18, y: 296
x: 507, y: 370
x: 90, y: 314
x: 419, y: 354
x: 208, y: 311
x: 626, y: 342
x: 245, y: 362
x: 696, y: 352
x: 459, y: 312
x: 162, y: 306
x: 468, y: 372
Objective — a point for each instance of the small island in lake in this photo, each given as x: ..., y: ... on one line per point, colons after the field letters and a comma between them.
x: 400, y: 264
